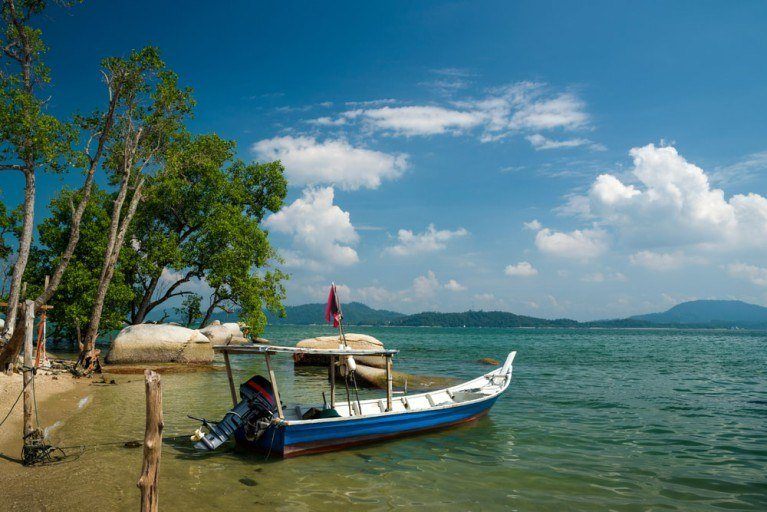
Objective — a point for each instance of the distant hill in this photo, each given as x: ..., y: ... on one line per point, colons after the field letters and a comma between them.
x: 698, y: 314
x: 355, y: 313
x: 478, y: 319
x: 722, y: 313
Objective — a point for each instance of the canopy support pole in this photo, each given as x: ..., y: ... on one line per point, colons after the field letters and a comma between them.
x: 231, y: 379
x: 388, y: 384
x: 332, y: 382
x: 273, y: 380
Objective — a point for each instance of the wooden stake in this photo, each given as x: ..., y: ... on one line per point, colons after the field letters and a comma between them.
x: 273, y: 380
x: 332, y: 382
x: 29, y: 327
x: 150, y: 470
x: 232, y: 390
x: 389, y: 390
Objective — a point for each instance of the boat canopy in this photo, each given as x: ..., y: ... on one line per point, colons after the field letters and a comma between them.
x: 274, y: 349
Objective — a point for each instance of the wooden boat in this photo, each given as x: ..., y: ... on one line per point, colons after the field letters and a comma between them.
x: 261, y: 422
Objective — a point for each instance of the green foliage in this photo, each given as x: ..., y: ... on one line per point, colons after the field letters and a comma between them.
x: 479, y: 319
x: 73, y: 301
x: 190, y: 311
x: 29, y: 136
x: 10, y: 225
x: 201, y: 218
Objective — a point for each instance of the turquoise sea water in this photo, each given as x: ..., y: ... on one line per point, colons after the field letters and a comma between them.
x: 593, y: 420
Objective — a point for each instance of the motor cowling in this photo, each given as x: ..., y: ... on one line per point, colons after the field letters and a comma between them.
x: 253, y: 413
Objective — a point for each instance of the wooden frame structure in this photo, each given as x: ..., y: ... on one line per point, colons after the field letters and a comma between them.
x: 268, y: 350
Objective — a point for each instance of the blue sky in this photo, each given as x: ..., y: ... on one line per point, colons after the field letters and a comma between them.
x: 586, y: 160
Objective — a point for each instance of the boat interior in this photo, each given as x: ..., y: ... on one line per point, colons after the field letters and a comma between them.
x: 482, y: 387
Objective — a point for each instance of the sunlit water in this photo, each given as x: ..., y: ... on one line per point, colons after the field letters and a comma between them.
x: 593, y: 420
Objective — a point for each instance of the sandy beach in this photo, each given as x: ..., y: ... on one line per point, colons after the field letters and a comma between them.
x: 47, y: 386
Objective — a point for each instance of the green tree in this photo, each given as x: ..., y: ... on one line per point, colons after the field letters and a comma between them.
x: 32, y: 140
x: 9, y: 228
x: 190, y: 309
x: 149, y: 118
x: 74, y: 298
x: 201, y: 221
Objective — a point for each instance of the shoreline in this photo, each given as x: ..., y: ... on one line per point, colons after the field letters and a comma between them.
x: 48, y: 385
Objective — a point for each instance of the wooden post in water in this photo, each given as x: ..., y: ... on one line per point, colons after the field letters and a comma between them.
x: 332, y: 382
x: 389, y: 390
x: 232, y: 389
x: 150, y: 470
x: 273, y: 380
x: 29, y: 328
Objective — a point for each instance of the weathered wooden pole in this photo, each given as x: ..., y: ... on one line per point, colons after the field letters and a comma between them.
x: 150, y: 470
x: 28, y: 375
x: 232, y: 389
x: 332, y: 382
x: 389, y: 390
x: 276, y: 390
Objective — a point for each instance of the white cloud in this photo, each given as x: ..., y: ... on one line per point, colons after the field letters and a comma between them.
x: 578, y: 244
x: 318, y: 226
x: 522, y: 107
x: 521, y: 269
x: 742, y: 171
x: 600, y: 277
x: 454, y: 286
x: 416, y: 120
x: 485, y: 297
x: 376, y: 295
x: 663, y: 261
x: 333, y: 161
x: 562, y: 111
x: 170, y: 276
x: 431, y: 240
x: 673, y: 204
x: 540, y: 142
x: 757, y: 275
x: 533, y: 225
x: 426, y: 286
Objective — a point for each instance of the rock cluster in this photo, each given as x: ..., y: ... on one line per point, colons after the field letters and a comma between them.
x: 353, y: 341
x: 160, y: 343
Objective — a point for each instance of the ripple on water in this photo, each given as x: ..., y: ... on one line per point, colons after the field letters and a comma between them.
x: 594, y: 420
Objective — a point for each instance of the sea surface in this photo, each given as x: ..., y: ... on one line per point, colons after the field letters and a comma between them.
x: 593, y: 420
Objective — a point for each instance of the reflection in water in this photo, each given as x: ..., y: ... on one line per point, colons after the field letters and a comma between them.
x: 593, y: 420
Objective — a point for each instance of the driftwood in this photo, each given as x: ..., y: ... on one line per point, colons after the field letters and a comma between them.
x: 150, y: 470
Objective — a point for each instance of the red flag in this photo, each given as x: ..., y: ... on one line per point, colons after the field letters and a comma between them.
x: 333, y: 308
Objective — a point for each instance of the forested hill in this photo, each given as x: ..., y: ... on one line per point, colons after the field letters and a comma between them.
x: 693, y: 315
x: 479, y: 319
x: 355, y: 313
x: 717, y: 312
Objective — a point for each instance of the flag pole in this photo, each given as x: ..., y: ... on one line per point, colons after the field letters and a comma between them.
x: 340, y: 315
x: 349, y: 371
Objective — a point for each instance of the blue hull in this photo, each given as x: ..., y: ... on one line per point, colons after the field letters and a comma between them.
x: 291, y: 439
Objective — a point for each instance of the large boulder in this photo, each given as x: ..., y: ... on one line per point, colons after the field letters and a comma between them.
x: 354, y: 341
x: 228, y: 333
x: 160, y: 343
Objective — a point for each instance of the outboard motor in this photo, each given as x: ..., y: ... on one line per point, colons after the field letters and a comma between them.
x: 255, y: 410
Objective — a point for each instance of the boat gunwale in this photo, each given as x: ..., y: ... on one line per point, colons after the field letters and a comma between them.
x: 494, y: 374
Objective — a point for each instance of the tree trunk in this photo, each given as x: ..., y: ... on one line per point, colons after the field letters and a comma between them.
x: 77, y: 215
x: 25, y: 241
x: 209, y: 312
x: 150, y: 469
x: 117, y: 234
x: 143, y: 308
